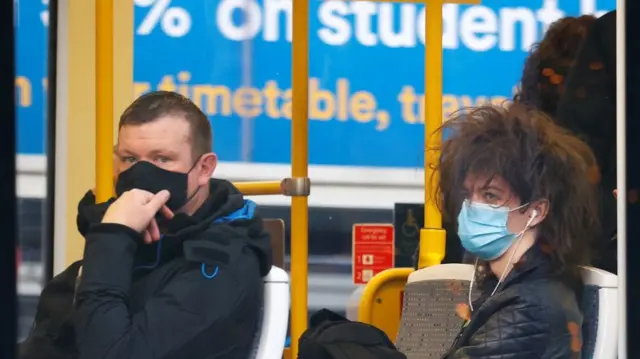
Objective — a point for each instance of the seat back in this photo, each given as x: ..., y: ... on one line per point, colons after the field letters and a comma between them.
x: 274, y: 321
x: 429, y: 322
x: 276, y: 230
x: 599, y: 307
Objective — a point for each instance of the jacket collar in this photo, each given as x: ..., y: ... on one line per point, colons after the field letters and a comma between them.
x: 534, y: 264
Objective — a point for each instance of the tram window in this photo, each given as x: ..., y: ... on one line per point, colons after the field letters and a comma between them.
x: 32, y: 80
x: 7, y: 252
x: 329, y: 228
x: 30, y: 224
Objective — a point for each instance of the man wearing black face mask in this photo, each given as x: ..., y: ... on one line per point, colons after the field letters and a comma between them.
x: 187, y: 286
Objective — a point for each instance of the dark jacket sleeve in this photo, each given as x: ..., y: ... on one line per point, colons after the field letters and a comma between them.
x: 186, y: 307
x: 519, y: 330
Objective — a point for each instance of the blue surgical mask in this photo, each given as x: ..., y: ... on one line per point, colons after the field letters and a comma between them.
x: 483, y: 231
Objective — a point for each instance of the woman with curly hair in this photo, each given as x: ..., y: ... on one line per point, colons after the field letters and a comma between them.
x: 545, y: 69
x: 517, y: 184
x: 542, y: 84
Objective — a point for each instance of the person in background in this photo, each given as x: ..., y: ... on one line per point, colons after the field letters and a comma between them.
x: 545, y: 69
x: 517, y: 184
x: 571, y: 76
x: 588, y: 109
x: 173, y: 266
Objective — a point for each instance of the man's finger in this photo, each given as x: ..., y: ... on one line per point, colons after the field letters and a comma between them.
x: 157, y: 201
x: 153, y: 230
x: 166, y: 212
x: 139, y: 195
x: 147, y: 237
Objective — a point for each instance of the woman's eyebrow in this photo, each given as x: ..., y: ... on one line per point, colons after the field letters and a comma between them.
x: 491, y: 187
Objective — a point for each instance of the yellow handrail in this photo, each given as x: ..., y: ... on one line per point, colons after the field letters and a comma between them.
x: 365, y: 309
x: 260, y: 188
x: 104, y: 100
x: 432, y: 236
x: 299, y: 170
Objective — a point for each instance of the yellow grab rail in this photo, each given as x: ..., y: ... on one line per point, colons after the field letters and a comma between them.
x: 375, y: 285
x: 432, y: 249
x: 299, y: 186
x: 260, y: 188
x: 104, y: 100
x: 299, y: 170
x: 433, y: 236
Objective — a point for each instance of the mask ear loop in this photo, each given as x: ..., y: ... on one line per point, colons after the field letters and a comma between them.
x: 189, y: 198
x: 509, y: 263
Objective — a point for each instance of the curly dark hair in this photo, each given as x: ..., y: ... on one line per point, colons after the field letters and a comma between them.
x: 538, y: 159
x: 546, y: 67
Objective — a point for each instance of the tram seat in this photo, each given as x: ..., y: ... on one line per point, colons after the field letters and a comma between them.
x: 271, y: 337
x: 599, y: 307
x: 429, y: 323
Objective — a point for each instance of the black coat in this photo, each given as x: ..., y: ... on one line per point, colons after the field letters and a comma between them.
x: 534, y: 315
x: 196, y: 294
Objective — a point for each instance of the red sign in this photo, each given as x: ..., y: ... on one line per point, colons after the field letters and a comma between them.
x: 373, y: 250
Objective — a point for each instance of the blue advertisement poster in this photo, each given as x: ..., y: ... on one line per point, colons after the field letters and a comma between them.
x: 233, y: 58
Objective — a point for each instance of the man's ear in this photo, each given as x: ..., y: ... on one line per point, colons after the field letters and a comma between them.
x: 208, y: 164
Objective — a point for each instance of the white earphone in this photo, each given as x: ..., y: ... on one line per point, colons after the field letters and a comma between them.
x: 534, y: 214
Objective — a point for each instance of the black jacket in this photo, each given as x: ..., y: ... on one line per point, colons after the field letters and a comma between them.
x: 534, y: 316
x: 196, y: 294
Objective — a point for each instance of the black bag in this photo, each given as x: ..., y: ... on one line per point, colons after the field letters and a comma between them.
x: 332, y: 336
x: 53, y: 333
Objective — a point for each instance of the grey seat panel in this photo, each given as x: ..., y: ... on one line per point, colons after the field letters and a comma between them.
x: 430, y: 322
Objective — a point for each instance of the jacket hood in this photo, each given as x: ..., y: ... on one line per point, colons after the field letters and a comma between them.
x: 224, y: 228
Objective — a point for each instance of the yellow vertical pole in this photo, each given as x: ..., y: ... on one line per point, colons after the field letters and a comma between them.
x: 104, y: 100
x: 432, y: 236
x: 299, y: 169
x: 122, y: 60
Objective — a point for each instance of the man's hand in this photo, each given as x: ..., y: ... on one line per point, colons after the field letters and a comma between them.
x: 136, y: 209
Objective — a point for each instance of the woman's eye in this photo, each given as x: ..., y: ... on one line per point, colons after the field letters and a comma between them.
x: 489, y: 196
x: 162, y: 159
x: 128, y: 159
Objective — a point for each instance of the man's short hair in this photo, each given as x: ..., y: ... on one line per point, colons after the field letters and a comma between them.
x: 151, y: 106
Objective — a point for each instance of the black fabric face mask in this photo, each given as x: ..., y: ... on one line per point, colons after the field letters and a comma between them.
x: 149, y: 177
